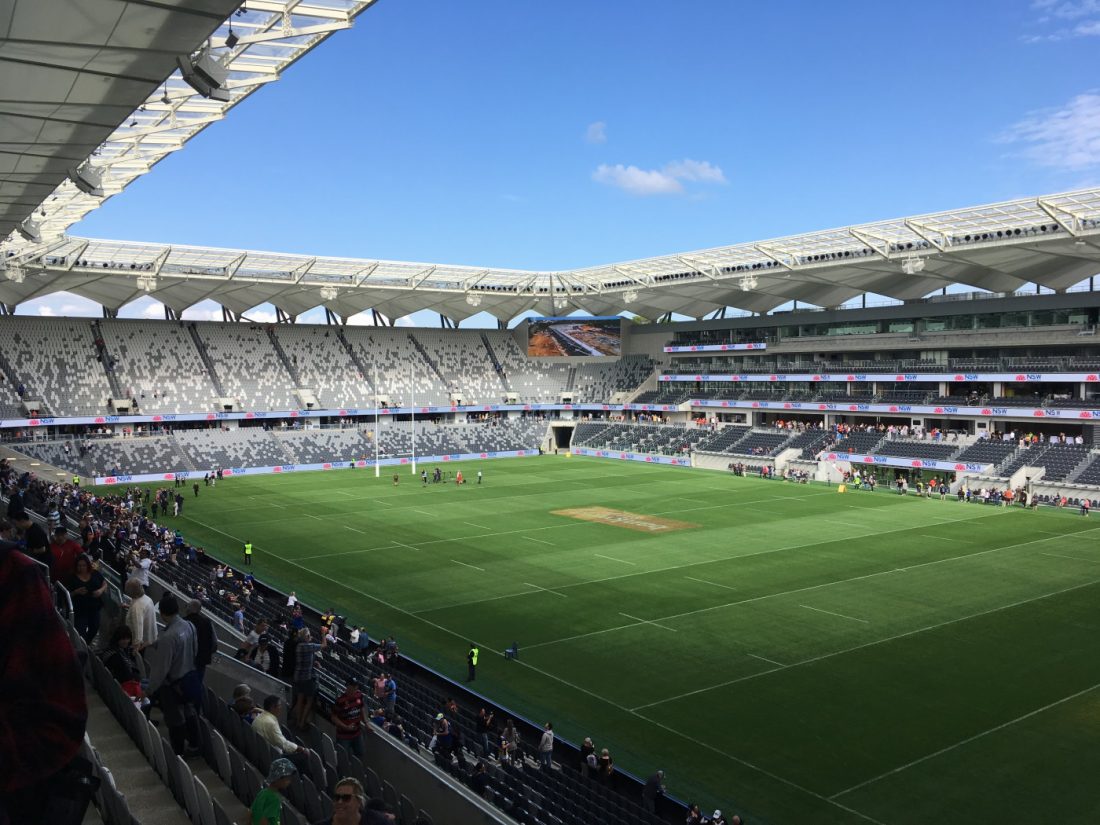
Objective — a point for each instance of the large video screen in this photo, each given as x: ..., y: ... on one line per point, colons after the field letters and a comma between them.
x: 584, y: 337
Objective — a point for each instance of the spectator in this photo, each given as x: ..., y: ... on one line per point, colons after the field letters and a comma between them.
x: 348, y: 803
x: 654, y: 788
x: 305, y: 677
x: 265, y: 657
x: 207, y: 637
x: 348, y: 716
x: 588, y: 757
x: 546, y: 746
x: 64, y: 551
x: 34, y: 537
x: 141, y: 615
x: 41, y: 694
x: 605, y: 766
x: 173, y: 679
x: 509, y: 742
x: 389, y: 694
x: 86, y: 586
x: 479, y: 782
x: 266, y: 724
x: 267, y: 807
x: 484, y: 729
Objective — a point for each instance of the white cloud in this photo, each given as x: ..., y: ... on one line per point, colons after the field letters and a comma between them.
x: 1090, y: 29
x: 64, y: 304
x: 1067, y: 138
x: 667, y: 180
x: 1083, y: 14
x: 1067, y: 9
x: 596, y: 132
x: 695, y: 170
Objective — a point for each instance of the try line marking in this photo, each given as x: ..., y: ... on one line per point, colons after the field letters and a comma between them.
x: 609, y: 558
x: 831, y: 613
x: 966, y: 741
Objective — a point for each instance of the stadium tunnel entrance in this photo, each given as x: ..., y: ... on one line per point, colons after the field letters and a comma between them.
x: 560, y: 437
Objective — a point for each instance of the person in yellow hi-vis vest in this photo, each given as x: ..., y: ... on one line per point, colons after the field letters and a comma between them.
x: 471, y: 663
x: 248, y: 553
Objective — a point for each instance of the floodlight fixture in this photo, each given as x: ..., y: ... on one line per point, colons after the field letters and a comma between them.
x: 749, y: 283
x: 15, y: 273
x: 205, y: 75
x: 912, y: 265
x: 30, y: 230
x: 473, y: 299
x: 630, y: 297
x: 88, y: 179
x: 148, y: 283
x: 167, y: 101
x: 231, y: 39
x: 329, y: 293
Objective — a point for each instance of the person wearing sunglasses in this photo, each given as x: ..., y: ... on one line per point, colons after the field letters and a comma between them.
x: 347, y: 803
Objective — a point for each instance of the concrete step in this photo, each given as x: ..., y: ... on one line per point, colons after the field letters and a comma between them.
x: 221, y: 793
x: 149, y: 798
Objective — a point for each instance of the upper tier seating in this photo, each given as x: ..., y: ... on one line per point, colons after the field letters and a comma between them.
x: 859, y: 442
x: 248, y: 366
x: 324, y: 366
x: 158, y: 366
x: 988, y: 452
x: 55, y: 359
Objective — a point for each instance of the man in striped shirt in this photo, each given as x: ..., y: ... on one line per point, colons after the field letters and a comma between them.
x: 349, y: 717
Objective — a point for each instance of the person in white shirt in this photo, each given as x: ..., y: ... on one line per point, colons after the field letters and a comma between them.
x: 141, y: 617
x: 546, y: 746
x: 268, y: 727
x: 291, y: 600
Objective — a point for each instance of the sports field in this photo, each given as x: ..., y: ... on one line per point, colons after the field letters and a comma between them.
x: 804, y: 655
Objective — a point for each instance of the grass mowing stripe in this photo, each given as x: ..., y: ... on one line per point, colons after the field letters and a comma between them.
x: 854, y: 648
x: 966, y: 741
x: 806, y: 589
x: 831, y: 613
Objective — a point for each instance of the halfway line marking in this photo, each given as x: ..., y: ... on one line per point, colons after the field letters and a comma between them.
x: 966, y: 741
x: 474, y: 566
x: 831, y: 613
x: 647, y: 621
x: 609, y: 558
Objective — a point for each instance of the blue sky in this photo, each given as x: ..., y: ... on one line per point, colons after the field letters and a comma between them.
x: 544, y: 136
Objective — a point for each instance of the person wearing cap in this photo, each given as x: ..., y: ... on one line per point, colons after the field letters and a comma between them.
x: 716, y: 818
x: 173, y: 678
x: 267, y: 807
x: 206, y: 636
x: 349, y: 714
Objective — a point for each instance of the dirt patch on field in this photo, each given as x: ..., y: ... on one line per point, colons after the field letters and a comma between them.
x: 621, y: 518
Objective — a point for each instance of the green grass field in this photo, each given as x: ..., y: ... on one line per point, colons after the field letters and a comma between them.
x: 802, y: 655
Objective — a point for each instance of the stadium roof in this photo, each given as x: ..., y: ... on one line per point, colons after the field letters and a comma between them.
x: 1053, y: 241
x: 94, y: 85
x: 91, y: 91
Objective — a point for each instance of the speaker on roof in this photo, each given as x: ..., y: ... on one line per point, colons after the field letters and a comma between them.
x: 30, y: 231
x: 88, y: 180
x: 205, y: 75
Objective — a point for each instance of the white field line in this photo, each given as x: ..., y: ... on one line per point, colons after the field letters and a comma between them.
x: 939, y: 538
x: 646, y: 621
x: 705, y: 745
x: 540, y: 541
x: 474, y: 566
x: 765, y: 659
x: 477, y: 526
x: 400, y: 544
x: 318, y: 518
x: 805, y: 589
x: 610, y: 558
x: 967, y: 741
x: 1072, y: 558
x: 831, y: 613
x: 546, y: 590
x: 854, y: 648
x: 424, y: 513
x: 379, y: 501
x: 704, y: 581
x: 356, y: 529
x: 647, y: 572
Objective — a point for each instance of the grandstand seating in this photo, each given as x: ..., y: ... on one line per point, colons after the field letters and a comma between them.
x: 1058, y: 460
x: 723, y: 440
x: 811, y: 442
x: 325, y: 366
x: 985, y: 451
x: 932, y: 450
x: 859, y: 442
x: 55, y: 359
x: 1090, y: 474
x: 248, y: 366
x: 158, y: 366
